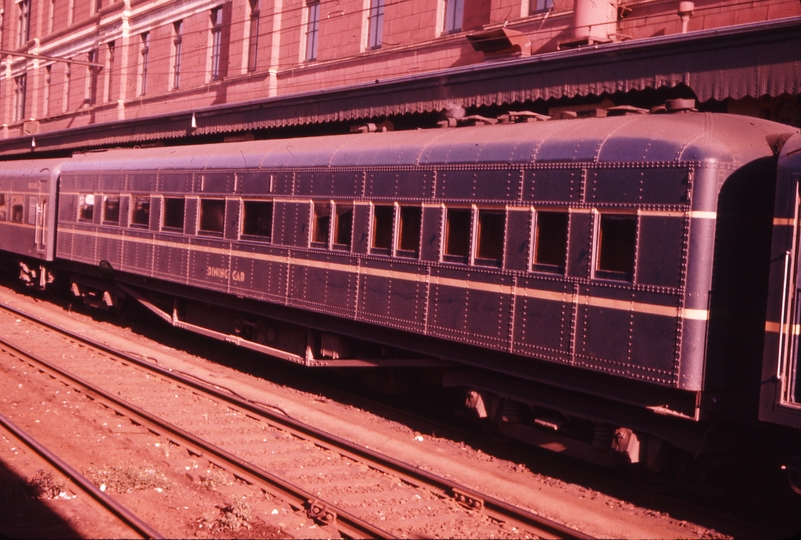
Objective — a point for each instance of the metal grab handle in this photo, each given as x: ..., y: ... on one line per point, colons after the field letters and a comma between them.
x: 780, y: 361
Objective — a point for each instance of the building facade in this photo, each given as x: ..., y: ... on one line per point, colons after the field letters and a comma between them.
x: 74, y: 63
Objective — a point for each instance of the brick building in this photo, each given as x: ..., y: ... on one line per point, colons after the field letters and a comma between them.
x: 74, y: 63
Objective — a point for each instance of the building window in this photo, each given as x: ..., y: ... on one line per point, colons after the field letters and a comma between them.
x: 617, y: 238
x: 312, y: 30
x: 65, y: 99
x: 216, y: 42
x: 550, y: 241
x: 178, y: 32
x: 538, y: 6
x: 52, y: 20
x: 21, y: 84
x: 454, y: 12
x: 98, y: 5
x: 24, y: 21
x: 109, y: 71
x: 46, y: 91
x: 140, y: 211
x: 376, y: 24
x: 91, y: 79
x: 143, y: 63
x: 253, y: 37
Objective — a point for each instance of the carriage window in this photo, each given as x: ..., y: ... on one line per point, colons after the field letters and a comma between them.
x: 489, y: 237
x: 321, y: 223
x: 140, y: 211
x: 258, y: 219
x: 409, y: 231
x: 457, y: 233
x: 616, y: 242
x: 212, y: 215
x: 86, y: 207
x: 343, y: 226
x: 382, y: 226
x: 174, y: 213
x: 3, y: 208
x: 550, y: 241
x: 111, y: 209
x: 16, y: 208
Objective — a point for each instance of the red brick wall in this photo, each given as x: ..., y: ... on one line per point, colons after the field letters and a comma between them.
x: 411, y: 44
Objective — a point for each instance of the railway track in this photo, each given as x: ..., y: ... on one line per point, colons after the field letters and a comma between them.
x: 347, y: 489
x: 120, y: 512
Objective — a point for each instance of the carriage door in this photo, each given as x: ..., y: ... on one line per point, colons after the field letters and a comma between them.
x: 38, y: 213
x: 788, y: 369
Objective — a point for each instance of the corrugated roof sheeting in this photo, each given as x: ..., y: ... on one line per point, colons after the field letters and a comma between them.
x: 754, y: 60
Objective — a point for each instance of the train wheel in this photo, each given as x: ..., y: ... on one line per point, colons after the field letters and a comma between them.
x: 793, y: 471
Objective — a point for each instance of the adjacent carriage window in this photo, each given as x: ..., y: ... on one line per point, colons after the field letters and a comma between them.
x: 258, y: 219
x: 3, y: 208
x: 140, y: 211
x: 16, y: 208
x: 212, y: 215
x: 174, y: 213
x: 616, y: 242
x: 382, y: 227
x: 410, y: 219
x: 550, y: 241
x: 343, y: 226
x: 111, y: 209
x: 86, y: 207
x: 321, y: 223
x: 489, y: 237
x: 457, y: 234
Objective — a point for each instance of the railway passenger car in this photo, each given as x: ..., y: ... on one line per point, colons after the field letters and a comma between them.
x: 596, y: 285
x: 28, y: 215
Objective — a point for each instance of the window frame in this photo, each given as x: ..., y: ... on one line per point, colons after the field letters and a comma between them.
x: 453, y: 16
x: 480, y: 248
x: 608, y: 272
x: 143, y: 55
x: 216, y: 42
x: 375, y: 24
x: 133, y: 211
x: 171, y: 227
x: 538, y: 265
x: 83, y: 204
x: 468, y: 215
x: 312, y: 30
x: 20, y: 94
x: 177, y: 47
x: 248, y: 234
x: 106, y: 198
x: 253, y: 35
x: 401, y: 230
x: 385, y: 227
x: 205, y: 206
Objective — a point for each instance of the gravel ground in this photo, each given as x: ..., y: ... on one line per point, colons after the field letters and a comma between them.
x: 574, y: 505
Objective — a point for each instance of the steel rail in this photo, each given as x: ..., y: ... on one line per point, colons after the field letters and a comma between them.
x: 325, y: 513
x: 114, y: 507
x: 492, y: 507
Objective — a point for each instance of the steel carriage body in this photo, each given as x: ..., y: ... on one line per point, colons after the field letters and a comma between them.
x: 583, y: 254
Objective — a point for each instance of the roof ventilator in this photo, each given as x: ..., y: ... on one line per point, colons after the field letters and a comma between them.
x: 371, y: 127
x: 519, y: 117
